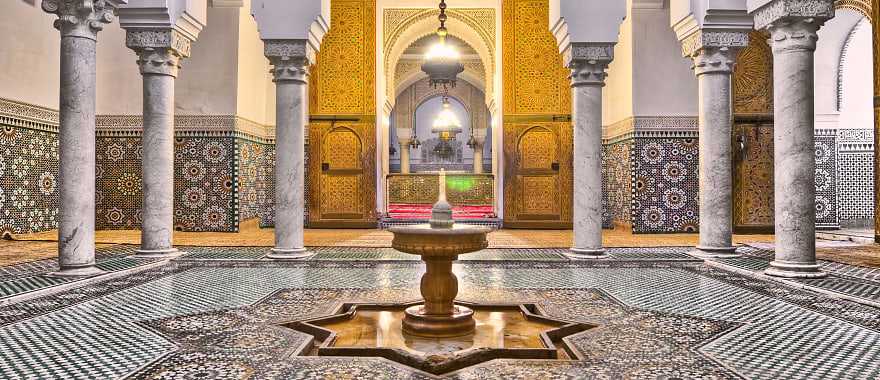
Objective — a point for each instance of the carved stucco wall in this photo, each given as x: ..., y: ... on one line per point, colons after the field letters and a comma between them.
x: 343, y: 85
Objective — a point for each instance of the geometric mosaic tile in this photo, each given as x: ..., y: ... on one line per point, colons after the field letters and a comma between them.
x: 735, y: 325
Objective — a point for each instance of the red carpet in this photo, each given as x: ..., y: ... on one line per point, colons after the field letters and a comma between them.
x: 423, y: 211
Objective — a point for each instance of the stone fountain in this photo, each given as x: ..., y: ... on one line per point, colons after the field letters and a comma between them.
x: 437, y: 334
x: 439, y: 243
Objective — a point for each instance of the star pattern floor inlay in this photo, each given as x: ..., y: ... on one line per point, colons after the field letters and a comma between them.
x: 660, y: 316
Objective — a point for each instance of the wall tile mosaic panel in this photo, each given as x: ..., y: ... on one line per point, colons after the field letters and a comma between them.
x: 826, y: 182
x: 855, y: 176
x: 28, y: 180
x: 855, y: 181
x: 204, y: 184
x: 665, y: 185
x: 617, y: 184
x: 251, y: 158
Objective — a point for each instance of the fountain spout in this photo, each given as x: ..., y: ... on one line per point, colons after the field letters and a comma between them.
x: 441, y: 213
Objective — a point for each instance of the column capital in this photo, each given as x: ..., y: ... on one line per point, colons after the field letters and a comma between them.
x: 159, y: 50
x: 81, y: 18
x: 588, y: 62
x: 290, y: 59
x: 724, y: 39
x: 775, y: 11
x: 714, y: 51
x: 714, y: 59
x: 793, y: 24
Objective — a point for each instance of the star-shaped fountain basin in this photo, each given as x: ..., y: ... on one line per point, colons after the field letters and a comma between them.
x: 502, y: 332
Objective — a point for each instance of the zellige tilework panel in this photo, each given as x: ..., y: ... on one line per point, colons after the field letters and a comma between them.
x: 28, y: 180
x: 665, y: 185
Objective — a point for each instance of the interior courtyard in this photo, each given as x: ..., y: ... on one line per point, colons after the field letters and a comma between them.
x: 425, y: 189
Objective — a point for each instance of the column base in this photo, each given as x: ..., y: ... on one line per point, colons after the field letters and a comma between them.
x: 77, y: 272
x: 794, y: 270
x: 702, y: 252
x: 586, y: 253
x: 290, y: 254
x: 157, y: 253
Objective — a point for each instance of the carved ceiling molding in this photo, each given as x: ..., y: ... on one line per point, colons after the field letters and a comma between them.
x: 399, y: 22
x: 25, y: 115
x: 650, y: 127
x: 188, y: 125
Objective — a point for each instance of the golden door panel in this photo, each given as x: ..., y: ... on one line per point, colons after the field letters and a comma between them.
x: 341, y: 175
x: 753, y: 177
x: 341, y: 197
x: 537, y: 175
x: 752, y: 137
x: 538, y: 197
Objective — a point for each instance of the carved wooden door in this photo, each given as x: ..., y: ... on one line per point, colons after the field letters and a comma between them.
x: 538, y: 177
x: 753, y: 177
x: 752, y: 137
x: 341, y: 175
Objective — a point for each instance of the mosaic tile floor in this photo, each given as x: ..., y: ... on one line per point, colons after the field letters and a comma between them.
x: 862, y: 283
x: 216, y: 315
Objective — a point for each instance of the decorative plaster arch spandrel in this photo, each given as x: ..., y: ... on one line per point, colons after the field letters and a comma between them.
x: 861, y: 6
x: 474, y: 26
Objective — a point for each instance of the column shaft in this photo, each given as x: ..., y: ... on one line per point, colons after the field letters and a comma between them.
x: 478, y: 159
x: 291, y: 97
x: 713, y: 66
x: 159, y: 64
x: 794, y: 43
x: 587, y: 118
x: 795, y: 161
x: 158, y: 166
x: 404, y: 157
x: 76, y: 134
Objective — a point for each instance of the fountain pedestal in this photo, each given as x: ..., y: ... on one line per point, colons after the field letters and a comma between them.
x: 439, y: 243
x: 439, y: 316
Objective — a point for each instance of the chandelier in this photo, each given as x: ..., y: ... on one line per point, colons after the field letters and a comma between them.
x: 442, y: 62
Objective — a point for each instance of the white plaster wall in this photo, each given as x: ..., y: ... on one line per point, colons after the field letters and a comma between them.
x: 207, y: 82
x: 663, y: 82
x: 120, y: 88
x: 29, y: 54
x: 617, y: 102
x: 832, y: 38
x: 253, y: 70
x: 856, y: 106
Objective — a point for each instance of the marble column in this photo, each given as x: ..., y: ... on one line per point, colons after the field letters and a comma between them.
x: 79, y: 22
x: 159, y: 54
x: 405, y: 145
x: 588, y: 64
x: 478, y: 154
x: 793, y: 27
x: 714, y: 56
x: 290, y: 67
